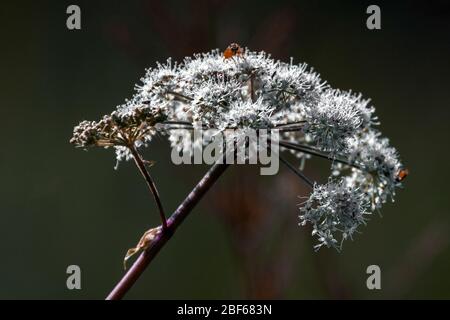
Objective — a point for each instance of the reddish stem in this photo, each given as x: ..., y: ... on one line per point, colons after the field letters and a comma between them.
x: 173, y: 222
x: 150, y: 183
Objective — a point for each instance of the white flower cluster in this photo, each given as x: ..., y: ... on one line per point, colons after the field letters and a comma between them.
x: 338, y: 206
x: 333, y: 120
x: 254, y: 91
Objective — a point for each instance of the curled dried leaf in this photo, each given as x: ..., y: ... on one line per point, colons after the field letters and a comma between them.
x: 144, y: 243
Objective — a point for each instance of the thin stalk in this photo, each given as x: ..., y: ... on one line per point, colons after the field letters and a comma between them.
x: 180, y: 95
x: 289, y: 128
x: 177, y: 122
x: 150, y: 183
x: 178, y: 128
x: 311, y: 151
x: 290, y: 124
x: 183, y: 210
x: 252, y: 87
x: 296, y: 171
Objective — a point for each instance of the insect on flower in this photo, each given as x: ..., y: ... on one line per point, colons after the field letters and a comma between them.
x: 233, y: 50
x: 402, y: 174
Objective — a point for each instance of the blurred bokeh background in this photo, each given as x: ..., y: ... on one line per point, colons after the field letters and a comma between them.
x: 61, y: 206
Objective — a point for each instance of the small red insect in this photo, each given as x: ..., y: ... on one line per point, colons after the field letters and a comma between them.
x: 233, y: 50
x: 402, y: 174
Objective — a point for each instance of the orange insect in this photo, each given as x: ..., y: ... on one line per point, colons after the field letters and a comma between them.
x: 233, y: 50
x: 401, y: 175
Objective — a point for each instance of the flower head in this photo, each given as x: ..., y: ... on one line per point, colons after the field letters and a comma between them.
x: 333, y: 120
x: 249, y: 90
x: 335, y: 207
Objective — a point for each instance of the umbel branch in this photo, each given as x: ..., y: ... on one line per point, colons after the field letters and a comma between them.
x: 150, y: 183
x: 183, y: 210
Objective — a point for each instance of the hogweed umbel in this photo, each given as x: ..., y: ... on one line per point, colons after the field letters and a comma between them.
x: 249, y: 90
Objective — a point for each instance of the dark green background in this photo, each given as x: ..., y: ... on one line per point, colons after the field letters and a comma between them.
x: 61, y: 206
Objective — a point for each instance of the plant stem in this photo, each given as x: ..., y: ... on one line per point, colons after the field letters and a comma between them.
x: 173, y: 222
x: 290, y: 129
x: 314, y: 152
x: 178, y: 122
x: 150, y: 183
x: 297, y: 172
x: 290, y: 124
x: 180, y: 95
x: 252, y: 87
